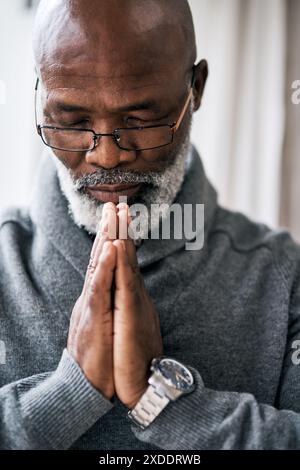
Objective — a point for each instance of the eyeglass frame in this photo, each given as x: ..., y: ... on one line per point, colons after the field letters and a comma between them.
x: 97, y: 136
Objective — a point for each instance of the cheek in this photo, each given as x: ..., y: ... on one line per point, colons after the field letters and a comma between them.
x: 159, y: 158
x: 154, y: 157
x: 71, y: 160
x: 166, y: 155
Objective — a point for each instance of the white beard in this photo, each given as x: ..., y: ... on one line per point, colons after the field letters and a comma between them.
x: 86, y: 212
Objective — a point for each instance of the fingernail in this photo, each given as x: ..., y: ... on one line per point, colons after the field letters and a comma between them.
x: 104, y: 228
x: 122, y: 206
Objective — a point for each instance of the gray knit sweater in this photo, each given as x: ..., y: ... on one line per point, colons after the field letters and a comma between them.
x: 230, y: 311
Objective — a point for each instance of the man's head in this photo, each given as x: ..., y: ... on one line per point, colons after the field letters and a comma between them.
x: 109, y: 64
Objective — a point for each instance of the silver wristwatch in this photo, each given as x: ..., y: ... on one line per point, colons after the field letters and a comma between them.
x: 170, y: 380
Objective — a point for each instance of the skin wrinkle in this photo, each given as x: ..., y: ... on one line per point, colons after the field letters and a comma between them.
x: 87, y: 213
x: 153, y: 44
x: 162, y: 189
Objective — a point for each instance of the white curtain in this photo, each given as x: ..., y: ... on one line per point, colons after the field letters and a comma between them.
x: 239, y: 130
x: 18, y: 140
x: 290, y: 189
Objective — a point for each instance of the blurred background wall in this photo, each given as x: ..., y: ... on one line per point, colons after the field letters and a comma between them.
x: 247, y: 131
x: 18, y: 143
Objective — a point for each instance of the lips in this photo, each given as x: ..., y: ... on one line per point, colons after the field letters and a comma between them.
x: 112, y: 192
x: 113, y: 187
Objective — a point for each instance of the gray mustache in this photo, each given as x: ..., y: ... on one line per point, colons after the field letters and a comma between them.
x: 117, y: 176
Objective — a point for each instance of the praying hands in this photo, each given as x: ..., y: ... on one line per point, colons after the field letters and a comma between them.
x: 114, y: 330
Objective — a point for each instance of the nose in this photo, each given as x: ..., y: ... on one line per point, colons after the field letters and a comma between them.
x: 107, y: 154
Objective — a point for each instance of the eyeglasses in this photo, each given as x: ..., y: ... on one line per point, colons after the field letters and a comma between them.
x: 131, y: 139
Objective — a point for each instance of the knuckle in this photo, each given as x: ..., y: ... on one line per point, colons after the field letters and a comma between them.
x: 91, y: 267
x: 98, y: 299
x: 106, y: 317
x: 104, y: 260
x: 92, y: 294
x: 135, y: 269
x: 136, y: 280
x: 134, y: 292
x: 132, y: 285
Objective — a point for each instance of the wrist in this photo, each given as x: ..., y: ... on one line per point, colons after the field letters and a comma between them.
x: 170, y: 380
x: 133, y: 403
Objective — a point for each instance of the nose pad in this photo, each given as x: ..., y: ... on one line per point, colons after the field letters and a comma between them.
x: 117, y: 137
x: 97, y: 140
x: 107, y: 154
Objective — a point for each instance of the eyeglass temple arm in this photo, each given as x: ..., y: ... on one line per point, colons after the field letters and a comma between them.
x: 35, y: 103
x: 182, y: 114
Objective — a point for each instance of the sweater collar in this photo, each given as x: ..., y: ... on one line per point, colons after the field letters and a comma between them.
x: 49, y: 213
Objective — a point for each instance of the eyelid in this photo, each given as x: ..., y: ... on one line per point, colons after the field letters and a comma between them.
x: 82, y: 121
x: 63, y: 119
x: 74, y: 124
x: 146, y: 121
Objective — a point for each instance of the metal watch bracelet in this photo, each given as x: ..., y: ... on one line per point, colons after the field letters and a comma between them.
x: 148, y: 407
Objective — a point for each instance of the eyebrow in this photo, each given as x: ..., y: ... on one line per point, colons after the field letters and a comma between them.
x: 69, y: 108
x: 139, y: 106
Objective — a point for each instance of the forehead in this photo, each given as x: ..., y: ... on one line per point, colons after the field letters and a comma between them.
x: 106, y: 60
x: 93, y: 84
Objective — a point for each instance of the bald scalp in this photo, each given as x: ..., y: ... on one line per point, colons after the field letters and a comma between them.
x: 65, y: 30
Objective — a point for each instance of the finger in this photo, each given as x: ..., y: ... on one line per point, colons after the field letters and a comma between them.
x: 100, y: 285
x: 124, y: 220
x: 108, y: 229
x: 107, y: 225
x: 103, y: 270
x: 123, y: 206
x: 107, y: 208
x: 109, y: 221
x: 126, y: 279
x: 132, y: 255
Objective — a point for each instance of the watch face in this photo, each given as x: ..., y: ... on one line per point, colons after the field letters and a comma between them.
x: 176, y: 373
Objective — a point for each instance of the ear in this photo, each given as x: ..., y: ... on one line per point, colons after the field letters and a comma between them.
x: 201, y: 74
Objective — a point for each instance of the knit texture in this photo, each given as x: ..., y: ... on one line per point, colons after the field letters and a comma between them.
x: 230, y: 312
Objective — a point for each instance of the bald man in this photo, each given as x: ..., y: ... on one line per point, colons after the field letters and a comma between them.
x: 112, y: 341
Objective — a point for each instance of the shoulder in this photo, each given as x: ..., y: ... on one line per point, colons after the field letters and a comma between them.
x: 15, y: 215
x: 13, y: 221
x: 250, y: 237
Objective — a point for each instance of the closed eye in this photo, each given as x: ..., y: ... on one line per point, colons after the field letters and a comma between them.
x: 132, y: 121
x: 81, y: 123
